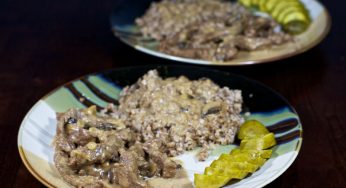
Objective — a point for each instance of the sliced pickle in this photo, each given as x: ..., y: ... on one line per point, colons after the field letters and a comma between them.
x: 259, y: 143
x: 266, y: 154
x: 254, y: 3
x: 282, y: 6
x: 245, y: 2
x: 252, y: 129
x: 272, y: 4
x: 242, y: 166
x: 229, y: 172
x: 210, y: 181
x: 262, y: 5
x: 240, y: 162
x: 296, y: 16
x: 296, y: 27
x: 290, y: 10
x: 296, y: 23
x: 243, y: 157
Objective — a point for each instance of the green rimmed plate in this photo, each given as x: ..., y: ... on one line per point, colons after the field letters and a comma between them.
x: 124, y: 28
x: 38, y: 127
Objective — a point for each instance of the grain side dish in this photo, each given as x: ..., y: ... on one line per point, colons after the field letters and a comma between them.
x: 212, y: 30
x: 156, y: 119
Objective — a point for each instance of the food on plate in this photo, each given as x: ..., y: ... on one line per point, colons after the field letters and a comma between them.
x: 130, y: 144
x: 261, y: 142
x: 211, y: 30
x: 291, y: 14
x: 251, y: 129
x: 251, y: 155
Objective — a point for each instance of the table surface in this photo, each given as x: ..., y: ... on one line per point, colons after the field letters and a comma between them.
x: 44, y: 44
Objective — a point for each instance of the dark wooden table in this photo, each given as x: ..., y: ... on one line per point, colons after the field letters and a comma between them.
x: 44, y: 44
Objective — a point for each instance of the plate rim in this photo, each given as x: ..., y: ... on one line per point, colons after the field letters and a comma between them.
x: 230, y: 63
x: 28, y: 165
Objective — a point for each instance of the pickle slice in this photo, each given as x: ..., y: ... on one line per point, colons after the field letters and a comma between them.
x: 210, y: 181
x: 296, y: 16
x: 262, y: 5
x: 244, y: 157
x: 259, y: 143
x: 252, y: 129
x: 296, y: 23
x: 290, y: 10
x: 232, y: 173
x: 282, y: 6
x: 242, y: 166
x: 270, y: 5
x: 296, y: 27
x: 245, y: 2
x: 265, y: 154
x: 250, y: 156
x: 254, y: 3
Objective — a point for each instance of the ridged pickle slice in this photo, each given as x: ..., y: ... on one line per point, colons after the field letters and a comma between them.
x: 290, y: 10
x: 242, y: 166
x: 244, y: 157
x: 262, y: 5
x: 229, y: 172
x: 240, y: 162
x: 266, y: 154
x: 259, y: 143
x: 296, y: 16
x: 254, y: 3
x: 270, y: 4
x: 245, y: 2
x: 296, y: 23
x: 210, y: 181
x: 252, y: 129
x: 282, y: 6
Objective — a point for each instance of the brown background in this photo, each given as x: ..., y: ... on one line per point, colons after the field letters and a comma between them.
x: 44, y: 44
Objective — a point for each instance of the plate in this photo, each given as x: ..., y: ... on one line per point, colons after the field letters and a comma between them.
x: 123, y: 27
x: 38, y: 128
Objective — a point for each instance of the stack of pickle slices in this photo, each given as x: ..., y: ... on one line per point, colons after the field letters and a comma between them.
x: 291, y: 14
x: 239, y: 163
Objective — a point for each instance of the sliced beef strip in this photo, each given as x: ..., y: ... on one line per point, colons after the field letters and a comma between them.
x: 127, y: 171
x: 142, y: 160
x: 69, y: 175
x: 79, y: 136
x: 165, y: 166
x: 251, y: 43
x: 61, y: 140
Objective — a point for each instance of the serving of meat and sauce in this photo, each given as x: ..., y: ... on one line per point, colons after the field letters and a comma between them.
x: 213, y: 30
x: 132, y: 144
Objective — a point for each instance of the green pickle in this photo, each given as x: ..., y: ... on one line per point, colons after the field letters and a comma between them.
x: 259, y: 143
x: 296, y: 23
x: 262, y: 5
x: 270, y: 4
x: 243, y: 166
x: 254, y: 3
x: 244, y: 157
x: 251, y: 155
x: 210, y: 181
x: 245, y: 2
x: 283, y: 6
x: 229, y: 172
x: 265, y: 154
x: 296, y: 27
x: 291, y: 14
x: 288, y: 11
x: 252, y: 129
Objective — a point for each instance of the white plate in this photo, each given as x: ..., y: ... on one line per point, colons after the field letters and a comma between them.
x: 38, y: 128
